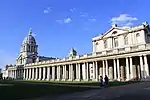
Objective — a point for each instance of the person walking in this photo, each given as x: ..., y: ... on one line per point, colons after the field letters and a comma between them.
x: 106, y: 81
x: 101, y: 81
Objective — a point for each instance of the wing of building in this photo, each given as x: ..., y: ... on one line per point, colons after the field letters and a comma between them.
x: 121, y: 53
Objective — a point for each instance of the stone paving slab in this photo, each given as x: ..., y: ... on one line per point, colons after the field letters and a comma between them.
x: 125, y: 92
x: 108, y: 93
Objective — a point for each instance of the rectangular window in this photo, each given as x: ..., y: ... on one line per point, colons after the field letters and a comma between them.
x: 105, y: 44
x: 137, y: 38
x: 126, y: 40
x: 116, y: 42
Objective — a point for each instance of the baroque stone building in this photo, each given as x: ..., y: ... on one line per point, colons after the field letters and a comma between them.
x: 121, y: 53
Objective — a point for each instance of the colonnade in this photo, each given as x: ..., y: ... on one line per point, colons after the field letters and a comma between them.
x: 121, y: 69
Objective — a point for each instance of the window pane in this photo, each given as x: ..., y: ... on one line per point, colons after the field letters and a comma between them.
x: 126, y: 40
x: 116, y: 42
x: 105, y: 43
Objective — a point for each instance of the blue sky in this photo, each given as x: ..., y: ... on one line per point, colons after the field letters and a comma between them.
x: 59, y: 25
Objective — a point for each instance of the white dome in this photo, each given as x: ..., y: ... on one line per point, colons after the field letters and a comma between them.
x: 29, y: 39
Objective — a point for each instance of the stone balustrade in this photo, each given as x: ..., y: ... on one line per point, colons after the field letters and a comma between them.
x: 103, y: 53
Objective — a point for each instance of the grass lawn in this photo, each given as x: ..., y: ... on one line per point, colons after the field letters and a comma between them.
x: 90, y: 83
x: 21, y: 90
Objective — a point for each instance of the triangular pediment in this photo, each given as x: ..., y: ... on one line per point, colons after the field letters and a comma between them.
x: 114, y: 31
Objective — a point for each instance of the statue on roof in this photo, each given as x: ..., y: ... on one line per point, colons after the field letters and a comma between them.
x: 72, y: 52
x: 30, y: 31
x: 114, y: 25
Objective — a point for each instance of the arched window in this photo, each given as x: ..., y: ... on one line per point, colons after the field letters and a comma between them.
x: 29, y: 48
x: 105, y: 44
x: 126, y: 40
x: 32, y: 49
x: 137, y: 38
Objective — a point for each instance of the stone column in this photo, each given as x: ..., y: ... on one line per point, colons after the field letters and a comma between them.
x: 110, y: 72
x: 77, y: 72
x: 87, y: 70
x: 44, y: 70
x: 118, y: 69
x: 33, y: 74
x: 127, y: 69
x: 30, y: 72
x: 16, y: 73
x: 122, y: 73
x: 48, y: 73
x: 40, y: 73
x: 70, y: 72
x: 58, y: 73
x: 12, y: 74
x: 53, y: 72
x: 106, y: 67
x: 9, y: 73
x: 19, y: 74
x: 24, y: 74
x: 146, y: 66
x: 115, y: 70
x: 103, y: 68
x: 64, y: 72
x: 27, y: 74
x: 131, y: 68
x: 94, y: 70
x: 36, y: 74
x: 139, y: 72
x: 142, y: 67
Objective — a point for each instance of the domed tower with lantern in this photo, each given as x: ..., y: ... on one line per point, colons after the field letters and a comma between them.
x: 28, y: 51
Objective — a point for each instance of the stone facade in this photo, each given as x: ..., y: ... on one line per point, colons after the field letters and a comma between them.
x: 120, y: 53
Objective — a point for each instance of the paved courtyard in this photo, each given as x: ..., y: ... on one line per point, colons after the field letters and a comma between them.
x: 138, y: 91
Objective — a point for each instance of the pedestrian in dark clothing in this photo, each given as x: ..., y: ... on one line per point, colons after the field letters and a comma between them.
x: 106, y: 80
x: 101, y: 81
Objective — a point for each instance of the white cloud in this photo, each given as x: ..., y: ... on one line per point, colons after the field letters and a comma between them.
x: 123, y: 19
x: 47, y: 10
x: 67, y: 20
x: 129, y: 24
x: 92, y: 19
x: 6, y: 58
x: 83, y: 14
x: 59, y: 21
x: 72, y: 10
